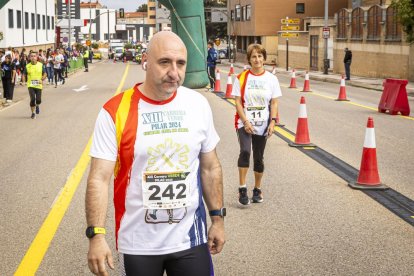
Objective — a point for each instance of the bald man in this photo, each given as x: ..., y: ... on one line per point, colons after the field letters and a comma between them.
x: 159, y: 141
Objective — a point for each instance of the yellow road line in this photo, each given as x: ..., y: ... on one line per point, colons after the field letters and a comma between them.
x: 37, y: 250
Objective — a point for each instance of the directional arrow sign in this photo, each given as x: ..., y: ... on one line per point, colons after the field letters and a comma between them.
x: 289, y: 34
x: 82, y: 88
x: 290, y: 28
x: 290, y: 21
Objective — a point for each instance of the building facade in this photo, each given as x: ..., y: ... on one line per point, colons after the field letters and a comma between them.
x: 260, y: 21
x: 134, y: 27
x: 28, y: 24
x: 98, y: 22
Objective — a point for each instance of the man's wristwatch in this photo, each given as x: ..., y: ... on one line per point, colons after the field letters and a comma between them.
x: 91, y: 231
x: 274, y: 119
x: 220, y: 213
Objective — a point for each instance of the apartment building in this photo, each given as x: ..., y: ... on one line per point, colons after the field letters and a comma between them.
x: 260, y: 21
x: 98, y: 21
x: 28, y: 24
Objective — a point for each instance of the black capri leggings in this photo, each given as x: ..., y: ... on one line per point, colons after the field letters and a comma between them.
x: 193, y: 261
x: 35, y: 96
x: 247, y: 141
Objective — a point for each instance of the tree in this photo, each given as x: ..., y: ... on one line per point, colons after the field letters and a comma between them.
x: 405, y: 14
x: 143, y: 8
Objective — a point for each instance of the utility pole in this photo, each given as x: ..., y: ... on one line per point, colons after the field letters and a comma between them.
x: 90, y: 17
x: 325, y: 55
x: 68, y: 2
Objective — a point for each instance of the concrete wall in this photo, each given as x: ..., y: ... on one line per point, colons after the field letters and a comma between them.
x: 33, y: 35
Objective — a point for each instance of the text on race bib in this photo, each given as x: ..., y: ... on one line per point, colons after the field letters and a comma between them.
x: 167, y: 190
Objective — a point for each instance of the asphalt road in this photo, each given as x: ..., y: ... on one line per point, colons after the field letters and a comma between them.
x: 311, y: 222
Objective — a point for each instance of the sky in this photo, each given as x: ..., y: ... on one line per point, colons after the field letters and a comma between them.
x: 128, y: 5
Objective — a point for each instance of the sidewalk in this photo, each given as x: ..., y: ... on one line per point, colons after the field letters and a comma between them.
x: 369, y: 83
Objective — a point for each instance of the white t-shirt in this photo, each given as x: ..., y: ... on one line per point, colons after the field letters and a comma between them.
x: 259, y: 91
x: 58, y: 59
x: 170, y: 137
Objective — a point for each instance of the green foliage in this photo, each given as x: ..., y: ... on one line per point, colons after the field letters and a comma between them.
x: 95, y: 45
x: 128, y: 46
x: 405, y: 13
x: 143, y: 8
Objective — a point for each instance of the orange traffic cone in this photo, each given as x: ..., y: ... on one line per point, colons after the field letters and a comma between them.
x: 231, y: 69
x: 293, y: 80
x: 342, y: 91
x: 306, y: 87
x: 368, y: 178
x: 274, y: 70
x: 229, y: 87
x: 278, y: 123
x: 217, y: 84
x: 302, y: 132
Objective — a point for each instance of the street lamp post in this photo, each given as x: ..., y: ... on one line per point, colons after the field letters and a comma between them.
x: 325, y: 56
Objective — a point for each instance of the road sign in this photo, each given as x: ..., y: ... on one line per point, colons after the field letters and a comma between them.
x: 290, y: 28
x: 290, y: 21
x: 326, y: 32
x: 289, y: 34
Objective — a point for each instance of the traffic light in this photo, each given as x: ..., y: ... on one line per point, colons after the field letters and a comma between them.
x: 121, y: 13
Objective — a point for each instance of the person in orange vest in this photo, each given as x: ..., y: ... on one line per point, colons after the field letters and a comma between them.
x: 159, y: 141
x: 256, y: 92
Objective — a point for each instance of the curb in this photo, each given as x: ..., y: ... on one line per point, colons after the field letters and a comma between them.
x: 355, y: 83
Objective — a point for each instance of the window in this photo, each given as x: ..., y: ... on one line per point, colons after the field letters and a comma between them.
x: 357, y: 19
x: 248, y: 12
x: 26, y: 20
x: 44, y: 22
x: 243, y: 13
x: 53, y: 22
x: 300, y: 7
x: 393, y: 28
x: 38, y: 22
x: 237, y: 12
x: 152, y: 8
x: 152, y: 16
x: 374, y: 20
x: 342, y: 25
x: 48, y: 22
x: 232, y: 15
x: 11, y: 19
x: 19, y: 19
x: 33, y: 21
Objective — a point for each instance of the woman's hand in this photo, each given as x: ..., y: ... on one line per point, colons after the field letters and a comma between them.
x: 248, y: 127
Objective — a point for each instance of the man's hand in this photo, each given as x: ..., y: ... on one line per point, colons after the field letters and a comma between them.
x: 99, y: 254
x: 216, y: 238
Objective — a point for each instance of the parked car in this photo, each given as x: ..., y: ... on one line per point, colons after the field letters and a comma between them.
x: 118, y: 51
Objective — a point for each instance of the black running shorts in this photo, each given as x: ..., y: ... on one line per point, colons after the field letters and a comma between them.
x: 190, y: 262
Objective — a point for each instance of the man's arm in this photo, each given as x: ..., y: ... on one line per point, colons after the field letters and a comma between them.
x: 96, y: 204
x: 212, y: 184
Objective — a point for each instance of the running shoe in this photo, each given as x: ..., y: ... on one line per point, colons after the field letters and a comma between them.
x: 37, y: 109
x: 33, y: 116
x: 257, y: 196
x: 243, y: 198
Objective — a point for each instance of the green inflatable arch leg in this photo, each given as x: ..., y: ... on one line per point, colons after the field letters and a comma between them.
x: 190, y: 27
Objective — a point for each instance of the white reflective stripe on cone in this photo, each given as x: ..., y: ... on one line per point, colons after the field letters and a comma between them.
x: 293, y: 74
x: 302, y: 111
x: 369, y: 141
x: 217, y: 76
x: 342, y: 82
x: 229, y: 79
x: 307, y: 76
